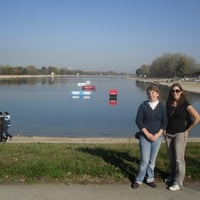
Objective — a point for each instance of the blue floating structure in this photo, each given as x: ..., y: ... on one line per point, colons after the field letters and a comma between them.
x: 81, y: 93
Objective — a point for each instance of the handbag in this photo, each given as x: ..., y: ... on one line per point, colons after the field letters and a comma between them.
x: 137, y: 135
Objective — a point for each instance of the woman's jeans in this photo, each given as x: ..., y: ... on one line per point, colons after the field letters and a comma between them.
x: 148, y: 152
x: 176, y: 145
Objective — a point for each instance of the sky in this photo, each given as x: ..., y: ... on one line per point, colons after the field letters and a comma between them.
x: 116, y: 35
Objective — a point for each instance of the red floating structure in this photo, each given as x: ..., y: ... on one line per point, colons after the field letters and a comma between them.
x: 113, y: 97
x: 88, y: 87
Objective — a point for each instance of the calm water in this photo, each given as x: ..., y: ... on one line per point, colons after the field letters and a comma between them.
x: 45, y: 107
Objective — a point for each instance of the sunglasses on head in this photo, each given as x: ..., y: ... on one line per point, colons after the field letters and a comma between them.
x: 177, y: 90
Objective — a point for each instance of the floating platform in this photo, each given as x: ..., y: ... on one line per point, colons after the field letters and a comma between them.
x: 81, y: 97
x: 81, y: 93
x: 83, y: 83
x: 88, y: 87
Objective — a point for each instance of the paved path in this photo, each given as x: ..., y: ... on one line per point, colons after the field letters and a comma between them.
x: 97, y: 192
x: 90, y: 140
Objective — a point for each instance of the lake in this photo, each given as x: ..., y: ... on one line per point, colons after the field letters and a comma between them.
x: 46, y: 107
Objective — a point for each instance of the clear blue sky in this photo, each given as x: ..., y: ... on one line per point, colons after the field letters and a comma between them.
x: 118, y: 35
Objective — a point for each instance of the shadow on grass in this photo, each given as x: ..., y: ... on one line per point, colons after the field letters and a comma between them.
x: 192, y: 167
x: 192, y: 161
x: 126, y: 163
x: 122, y: 160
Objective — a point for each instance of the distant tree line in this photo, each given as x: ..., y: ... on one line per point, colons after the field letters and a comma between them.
x: 170, y: 65
x: 32, y: 70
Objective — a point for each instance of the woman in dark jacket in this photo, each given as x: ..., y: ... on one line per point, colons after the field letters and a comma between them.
x: 151, y: 119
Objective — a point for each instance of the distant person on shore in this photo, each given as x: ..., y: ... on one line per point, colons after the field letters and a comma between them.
x: 151, y: 119
x: 182, y: 117
x: 7, y: 125
x: 2, y: 126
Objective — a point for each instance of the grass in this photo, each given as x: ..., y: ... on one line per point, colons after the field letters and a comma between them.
x: 83, y: 163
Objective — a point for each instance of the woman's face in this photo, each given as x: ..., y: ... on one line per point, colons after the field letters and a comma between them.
x: 176, y: 92
x: 152, y: 95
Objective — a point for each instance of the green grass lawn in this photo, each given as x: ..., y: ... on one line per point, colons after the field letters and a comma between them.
x: 83, y: 163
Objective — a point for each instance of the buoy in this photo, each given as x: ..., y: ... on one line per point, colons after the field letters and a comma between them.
x: 113, y: 97
x: 113, y: 92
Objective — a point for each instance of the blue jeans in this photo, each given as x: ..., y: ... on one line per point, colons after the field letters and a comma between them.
x: 148, y: 152
x: 6, y: 131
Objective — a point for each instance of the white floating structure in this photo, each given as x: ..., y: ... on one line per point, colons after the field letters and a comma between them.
x: 81, y: 97
x: 84, y: 83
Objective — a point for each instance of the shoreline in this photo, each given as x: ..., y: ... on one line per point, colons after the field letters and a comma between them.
x: 71, y: 140
x: 189, y: 86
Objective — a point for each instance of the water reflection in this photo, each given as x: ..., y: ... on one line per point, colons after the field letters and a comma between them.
x: 28, y: 81
x: 44, y: 106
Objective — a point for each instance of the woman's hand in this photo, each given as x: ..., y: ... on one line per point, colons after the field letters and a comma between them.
x: 156, y: 136
x: 153, y: 138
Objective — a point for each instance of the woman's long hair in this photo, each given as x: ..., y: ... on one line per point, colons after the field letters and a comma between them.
x: 171, y: 100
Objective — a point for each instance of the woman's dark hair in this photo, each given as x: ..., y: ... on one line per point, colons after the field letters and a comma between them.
x: 171, y: 99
